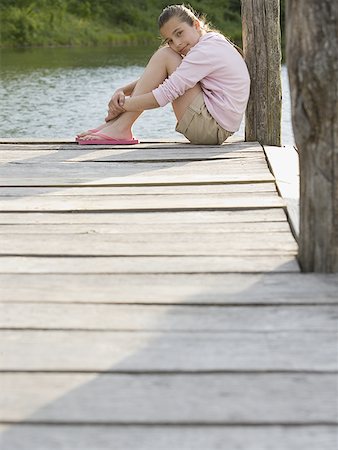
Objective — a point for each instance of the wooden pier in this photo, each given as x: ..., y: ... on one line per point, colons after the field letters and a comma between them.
x: 151, y: 298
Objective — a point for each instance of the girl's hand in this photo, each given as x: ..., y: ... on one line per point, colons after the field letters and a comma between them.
x: 115, y: 106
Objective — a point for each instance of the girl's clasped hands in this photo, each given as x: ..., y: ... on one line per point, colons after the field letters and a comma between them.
x: 115, y: 106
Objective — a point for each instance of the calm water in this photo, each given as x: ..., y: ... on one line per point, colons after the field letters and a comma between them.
x: 55, y: 93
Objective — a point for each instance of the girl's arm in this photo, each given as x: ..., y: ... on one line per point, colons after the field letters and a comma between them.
x: 140, y: 102
x: 128, y: 89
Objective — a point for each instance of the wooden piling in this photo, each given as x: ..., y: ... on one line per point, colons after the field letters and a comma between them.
x: 262, y: 53
x: 313, y: 68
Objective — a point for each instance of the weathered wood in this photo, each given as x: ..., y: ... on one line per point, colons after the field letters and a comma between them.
x: 163, y: 289
x: 313, y: 72
x: 102, y: 179
x: 200, y: 172
x: 233, y: 145
x: 167, y: 318
x: 149, y: 217
x: 190, y: 189
x: 144, y: 143
x: 201, y: 346
x: 262, y: 53
x: 137, y: 166
x: 131, y: 167
x: 190, y: 228
x: 147, y: 155
x: 143, y: 202
x: 58, y: 437
x: 35, y: 156
x: 151, y: 264
x: 165, y: 244
x: 284, y: 163
x: 237, y: 398
x: 157, y: 351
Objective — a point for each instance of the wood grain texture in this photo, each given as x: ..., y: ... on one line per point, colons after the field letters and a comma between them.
x: 42, y: 154
x: 229, y: 398
x: 211, y: 437
x: 151, y: 264
x: 164, y: 289
x: 151, y: 228
x: 157, y: 244
x: 168, y: 318
x: 96, y: 351
x: 262, y: 53
x: 143, y: 202
x: 144, y: 143
x: 284, y: 163
x: 149, y: 217
x: 314, y: 99
x: 131, y: 173
x: 194, y: 189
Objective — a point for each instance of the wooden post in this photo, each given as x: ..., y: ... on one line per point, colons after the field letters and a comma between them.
x: 262, y: 53
x: 312, y: 61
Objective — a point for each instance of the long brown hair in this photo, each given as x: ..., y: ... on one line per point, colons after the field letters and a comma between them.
x: 189, y: 15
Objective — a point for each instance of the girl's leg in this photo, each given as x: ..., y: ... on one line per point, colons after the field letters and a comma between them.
x: 163, y: 63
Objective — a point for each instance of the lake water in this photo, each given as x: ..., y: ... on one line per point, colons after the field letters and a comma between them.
x: 57, y: 92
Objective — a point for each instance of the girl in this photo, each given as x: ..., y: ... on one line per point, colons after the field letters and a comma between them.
x: 198, y: 70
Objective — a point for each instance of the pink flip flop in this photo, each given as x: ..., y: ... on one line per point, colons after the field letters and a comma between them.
x: 106, y: 140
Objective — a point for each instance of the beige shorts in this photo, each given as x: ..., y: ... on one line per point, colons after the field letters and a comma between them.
x: 199, y: 127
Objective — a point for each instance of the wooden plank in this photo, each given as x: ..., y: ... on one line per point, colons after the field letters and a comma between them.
x: 29, y: 140
x: 133, y: 173
x: 190, y: 228
x: 99, y: 179
x: 37, y: 156
x: 167, y: 318
x: 167, y: 289
x: 23, y: 350
x: 159, y: 142
x: 234, y: 140
x: 147, y: 155
x: 161, y: 217
x: 284, y: 164
x: 71, y: 142
x: 27, y: 144
x: 229, y: 398
x: 144, y: 190
x: 165, y: 264
x: 46, y: 163
x: 59, y: 437
x: 143, y: 202
x: 157, y: 244
x: 124, y: 167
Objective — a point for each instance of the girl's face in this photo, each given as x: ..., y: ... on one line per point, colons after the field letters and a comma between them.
x: 180, y: 36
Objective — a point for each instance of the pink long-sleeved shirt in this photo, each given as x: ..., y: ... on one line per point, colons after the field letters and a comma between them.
x: 223, y: 77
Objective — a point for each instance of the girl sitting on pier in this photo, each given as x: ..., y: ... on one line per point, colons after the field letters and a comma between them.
x: 198, y: 70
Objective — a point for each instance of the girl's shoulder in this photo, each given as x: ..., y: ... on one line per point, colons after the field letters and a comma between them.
x: 212, y: 36
x: 213, y: 39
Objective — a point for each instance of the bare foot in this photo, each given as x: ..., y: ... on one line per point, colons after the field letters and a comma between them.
x: 94, y: 130
x: 111, y: 129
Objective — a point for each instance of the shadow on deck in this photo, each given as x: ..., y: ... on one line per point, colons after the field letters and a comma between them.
x: 151, y: 298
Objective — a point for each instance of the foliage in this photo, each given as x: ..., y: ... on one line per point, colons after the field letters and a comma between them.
x: 93, y: 22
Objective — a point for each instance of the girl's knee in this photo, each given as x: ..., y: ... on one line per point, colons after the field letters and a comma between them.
x: 167, y: 53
